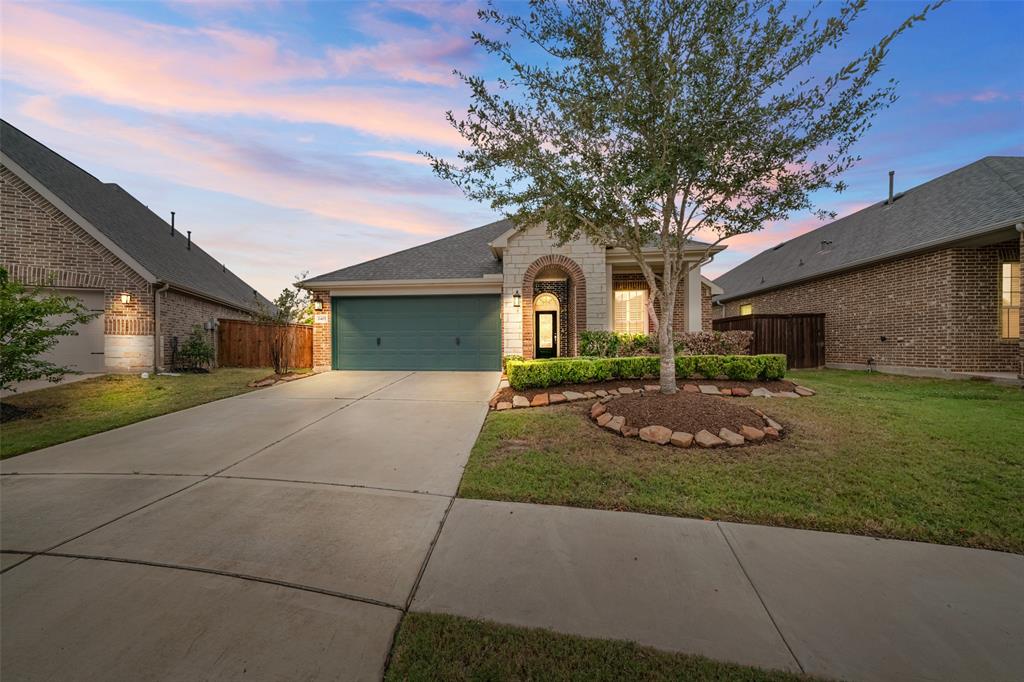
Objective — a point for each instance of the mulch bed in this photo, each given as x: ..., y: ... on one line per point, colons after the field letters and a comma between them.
x: 506, y: 394
x: 682, y: 411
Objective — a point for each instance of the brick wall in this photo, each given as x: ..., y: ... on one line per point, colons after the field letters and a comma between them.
x: 937, y: 310
x: 41, y: 245
x: 322, y: 332
x: 180, y: 312
x: 634, y: 281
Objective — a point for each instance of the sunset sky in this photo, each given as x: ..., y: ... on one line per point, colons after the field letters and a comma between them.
x: 285, y: 134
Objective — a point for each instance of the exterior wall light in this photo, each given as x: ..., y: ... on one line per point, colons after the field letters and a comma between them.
x: 126, y: 298
x: 318, y: 305
x: 517, y: 299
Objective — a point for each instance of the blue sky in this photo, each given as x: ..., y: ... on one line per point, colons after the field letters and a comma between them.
x: 284, y: 134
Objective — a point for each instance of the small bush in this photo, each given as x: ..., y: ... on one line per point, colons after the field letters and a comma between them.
x: 506, y: 359
x: 196, y: 352
x: 714, y: 343
x: 599, y: 344
x: 523, y: 374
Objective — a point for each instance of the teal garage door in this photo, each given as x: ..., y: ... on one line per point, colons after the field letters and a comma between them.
x: 417, y: 332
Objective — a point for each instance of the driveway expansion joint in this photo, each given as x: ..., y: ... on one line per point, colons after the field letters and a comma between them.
x: 227, y: 574
x: 771, y: 617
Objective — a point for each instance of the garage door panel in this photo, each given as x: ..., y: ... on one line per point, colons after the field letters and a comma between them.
x: 83, y: 351
x: 417, y: 332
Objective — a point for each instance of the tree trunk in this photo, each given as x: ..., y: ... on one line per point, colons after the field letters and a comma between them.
x: 666, y: 347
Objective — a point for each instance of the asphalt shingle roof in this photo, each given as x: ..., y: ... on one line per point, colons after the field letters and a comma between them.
x: 139, y: 232
x: 462, y: 255
x: 984, y: 196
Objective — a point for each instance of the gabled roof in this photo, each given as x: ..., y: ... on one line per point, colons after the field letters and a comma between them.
x: 979, y: 199
x: 137, y: 232
x: 466, y: 255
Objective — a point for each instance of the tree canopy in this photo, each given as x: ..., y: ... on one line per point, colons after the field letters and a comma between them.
x: 648, y: 123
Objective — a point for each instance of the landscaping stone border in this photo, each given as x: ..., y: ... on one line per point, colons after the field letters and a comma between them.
x: 543, y: 399
x: 662, y: 435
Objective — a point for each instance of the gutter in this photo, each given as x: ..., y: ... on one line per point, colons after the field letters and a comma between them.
x: 911, y: 251
x: 157, y: 347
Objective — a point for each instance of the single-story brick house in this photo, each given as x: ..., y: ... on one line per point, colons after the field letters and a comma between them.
x: 64, y: 228
x: 464, y: 301
x: 926, y: 281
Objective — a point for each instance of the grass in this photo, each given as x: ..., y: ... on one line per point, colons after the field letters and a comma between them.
x: 918, y: 459
x: 70, y: 411
x: 439, y: 647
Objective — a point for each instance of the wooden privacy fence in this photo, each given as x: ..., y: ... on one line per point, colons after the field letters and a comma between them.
x: 800, y: 336
x: 247, y: 344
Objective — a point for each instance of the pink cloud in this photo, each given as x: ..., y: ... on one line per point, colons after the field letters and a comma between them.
x: 189, y: 157
x: 163, y: 69
x: 404, y: 157
x: 984, y: 96
x: 427, y: 60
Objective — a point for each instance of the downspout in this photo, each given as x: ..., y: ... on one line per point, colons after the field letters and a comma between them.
x: 157, y: 348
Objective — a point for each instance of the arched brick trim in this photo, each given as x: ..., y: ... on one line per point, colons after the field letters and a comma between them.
x: 577, y: 300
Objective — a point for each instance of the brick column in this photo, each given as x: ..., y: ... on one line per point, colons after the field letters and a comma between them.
x: 322, y: 331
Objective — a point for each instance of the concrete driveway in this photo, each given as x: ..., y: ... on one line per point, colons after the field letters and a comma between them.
x: 278, y: 534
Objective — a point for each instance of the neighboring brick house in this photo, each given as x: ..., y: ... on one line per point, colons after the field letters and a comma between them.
x: 63, y: 228
x: 464, y: 301
x: 926, y: 282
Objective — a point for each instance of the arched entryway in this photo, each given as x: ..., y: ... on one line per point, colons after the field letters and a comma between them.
x: 553, y: 284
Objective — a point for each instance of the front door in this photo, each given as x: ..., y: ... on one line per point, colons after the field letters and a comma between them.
x: 546, y: 324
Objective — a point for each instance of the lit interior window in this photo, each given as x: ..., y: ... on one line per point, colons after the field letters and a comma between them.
x: 631, y: 312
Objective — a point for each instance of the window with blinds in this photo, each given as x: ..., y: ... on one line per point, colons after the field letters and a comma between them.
x: 631, y: 312
x: 1009, y: 301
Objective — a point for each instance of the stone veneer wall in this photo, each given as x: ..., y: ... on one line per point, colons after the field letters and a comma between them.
x: 938, y: 310
x: 526, y: 247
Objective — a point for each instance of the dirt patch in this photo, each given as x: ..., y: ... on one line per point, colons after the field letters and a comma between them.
x: 505, y: 394
x: 10, y: 412
x: 689, y: 412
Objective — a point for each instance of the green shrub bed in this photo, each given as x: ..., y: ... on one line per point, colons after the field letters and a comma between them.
x: 543, y: 373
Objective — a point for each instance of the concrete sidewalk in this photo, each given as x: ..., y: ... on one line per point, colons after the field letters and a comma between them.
x: 840, y: 606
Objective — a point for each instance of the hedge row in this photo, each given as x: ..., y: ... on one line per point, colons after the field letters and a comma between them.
x: 544, y: 373
x: 606, y: 344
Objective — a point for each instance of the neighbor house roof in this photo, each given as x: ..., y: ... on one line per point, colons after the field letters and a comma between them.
x: 139, y: 233
x: 981, y: 198
x: 466, y: 255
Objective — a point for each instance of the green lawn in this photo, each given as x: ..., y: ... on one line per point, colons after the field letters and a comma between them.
x: 437, y: 647
x: 70, y: 411
x: 922, y: 459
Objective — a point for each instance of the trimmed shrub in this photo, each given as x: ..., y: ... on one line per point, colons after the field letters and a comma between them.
x: 713, y: 343
x: 599, y: 344
x: 508, y: 358
x: 773, y: 367
x: 605, y: 344
x: 523, y: 374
